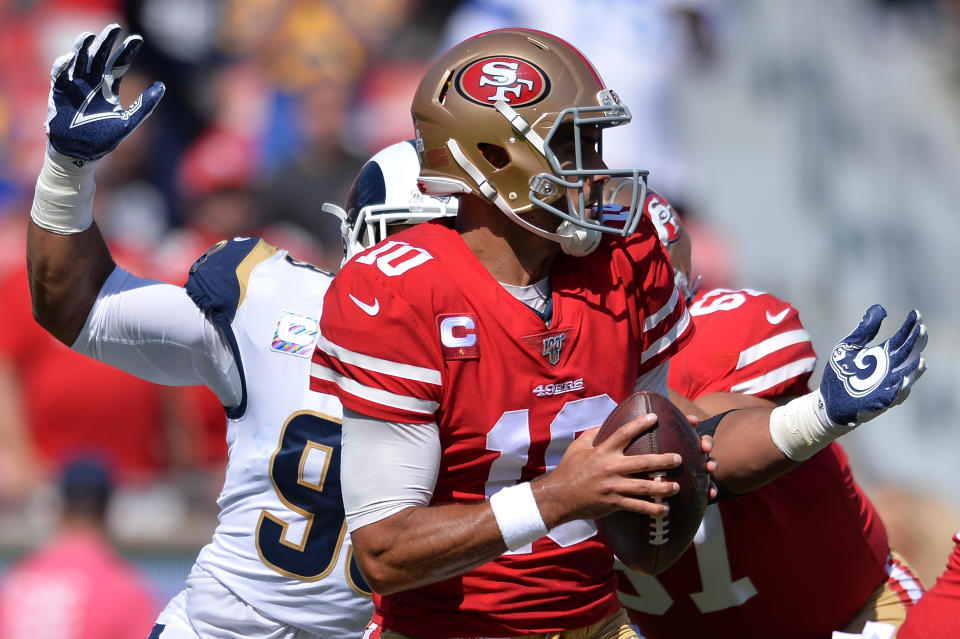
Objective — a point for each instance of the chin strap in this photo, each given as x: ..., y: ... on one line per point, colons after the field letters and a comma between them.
x: 576, y: 240
x: 573, y: 240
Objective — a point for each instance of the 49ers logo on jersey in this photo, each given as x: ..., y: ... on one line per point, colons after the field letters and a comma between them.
x: 513, y: 80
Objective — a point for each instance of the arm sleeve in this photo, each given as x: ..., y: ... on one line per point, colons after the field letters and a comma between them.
x: 155, y: 331
x: 747, y: 342
x: 667, y: 326
x: 388, y: 467
x: 379, y: 359
x: 655, y: 380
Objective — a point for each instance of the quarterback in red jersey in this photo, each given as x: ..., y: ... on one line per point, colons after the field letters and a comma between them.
x: 937, y: 614
x: 743, y: 572
x: 503, y: 336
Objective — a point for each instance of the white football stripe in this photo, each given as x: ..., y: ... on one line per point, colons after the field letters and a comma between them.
x: 772, y: 345
x: 664, y: 342
x: 905, y: 579
x: 776, y: 376
x: 375, y: 395
x: 663, y: 312
x: 377, y: 365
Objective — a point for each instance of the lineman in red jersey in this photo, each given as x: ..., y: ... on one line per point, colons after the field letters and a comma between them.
x: 502, y: 338
x: 937, y: 614
x: 743, y: 573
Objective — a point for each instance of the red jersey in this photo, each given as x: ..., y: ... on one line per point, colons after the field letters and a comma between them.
x: 937, y: 614
x: 747, y: 342
x: 810, y: 536
x: 416, y: 330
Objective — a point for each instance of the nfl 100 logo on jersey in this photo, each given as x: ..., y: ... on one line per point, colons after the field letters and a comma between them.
x: 549, y: 344
x: 295, y: 334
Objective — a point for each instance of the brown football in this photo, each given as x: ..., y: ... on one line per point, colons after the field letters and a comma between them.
x: 650, y: 544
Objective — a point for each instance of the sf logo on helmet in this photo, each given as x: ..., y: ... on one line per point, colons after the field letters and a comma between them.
x: 513, y: 80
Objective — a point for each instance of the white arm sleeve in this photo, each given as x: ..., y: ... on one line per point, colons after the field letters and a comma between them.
x: 386, y: 467
x: 154, y: 331
x: 655, y: 380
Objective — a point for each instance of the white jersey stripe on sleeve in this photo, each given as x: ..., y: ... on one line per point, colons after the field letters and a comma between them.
x: 772, y: 345
x: 776, y: 376
x: 377, y: 365
x: 905, y: 579
x: 663, y: 312
x: 671, y: 336
x: 374, y: 395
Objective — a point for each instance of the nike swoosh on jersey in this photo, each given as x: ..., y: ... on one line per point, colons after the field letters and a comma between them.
x: 369, y: 309
x: 776, y: 319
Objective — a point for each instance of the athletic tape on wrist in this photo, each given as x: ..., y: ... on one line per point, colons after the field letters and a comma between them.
x: 800, y: 428
x: 63, y: 198
x: 518, y: 516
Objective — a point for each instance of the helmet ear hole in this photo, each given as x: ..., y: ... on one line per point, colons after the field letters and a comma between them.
x: 497, y: 156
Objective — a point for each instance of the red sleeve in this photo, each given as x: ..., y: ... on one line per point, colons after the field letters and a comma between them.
x: 375, y: 351
x: 937, y: 614
x: 747, y: 342
x: 666, y: 322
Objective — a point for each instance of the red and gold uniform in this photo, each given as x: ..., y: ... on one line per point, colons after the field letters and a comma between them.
x: 416, y: 330
x: 937, y: 614
x: 811, y: 538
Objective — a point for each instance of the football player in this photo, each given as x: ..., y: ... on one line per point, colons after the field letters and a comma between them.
x: 280, y: 562
x: 743, y: 572
x: 937, y: 614
x: 509, y: 330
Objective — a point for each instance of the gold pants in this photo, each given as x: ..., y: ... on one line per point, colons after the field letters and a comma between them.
x: 615, y: 627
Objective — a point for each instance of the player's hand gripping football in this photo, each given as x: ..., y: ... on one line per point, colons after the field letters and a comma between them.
x: 84, y: 117
x: 593, y: 481
x: 863, y: 381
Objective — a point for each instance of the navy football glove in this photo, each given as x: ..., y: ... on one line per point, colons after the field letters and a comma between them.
x: 84, y: 116
x: 861, y: 382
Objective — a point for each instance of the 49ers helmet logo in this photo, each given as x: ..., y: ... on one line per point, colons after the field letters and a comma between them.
x: 513, y: 80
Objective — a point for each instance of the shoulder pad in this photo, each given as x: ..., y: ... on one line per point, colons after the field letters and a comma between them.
x: 218, y: 279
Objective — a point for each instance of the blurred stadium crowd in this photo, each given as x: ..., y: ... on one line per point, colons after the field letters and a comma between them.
x: 273, y: 105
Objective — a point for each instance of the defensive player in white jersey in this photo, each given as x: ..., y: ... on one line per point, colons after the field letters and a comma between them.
x: 279, y: 564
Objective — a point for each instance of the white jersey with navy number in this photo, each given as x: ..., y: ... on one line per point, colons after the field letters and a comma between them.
x: 281, y: 545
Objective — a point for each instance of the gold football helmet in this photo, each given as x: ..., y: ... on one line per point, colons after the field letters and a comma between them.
x: 485, y: 115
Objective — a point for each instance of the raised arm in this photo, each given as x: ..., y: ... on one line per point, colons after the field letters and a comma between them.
x: 67, y: 258
x: 66, y: 272
x: 755, y: 445
x: 149, y: 329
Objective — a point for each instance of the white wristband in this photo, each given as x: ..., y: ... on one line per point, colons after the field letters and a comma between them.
x: 801, y: 427
x: 63, y: 198
x: 518, y: 517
